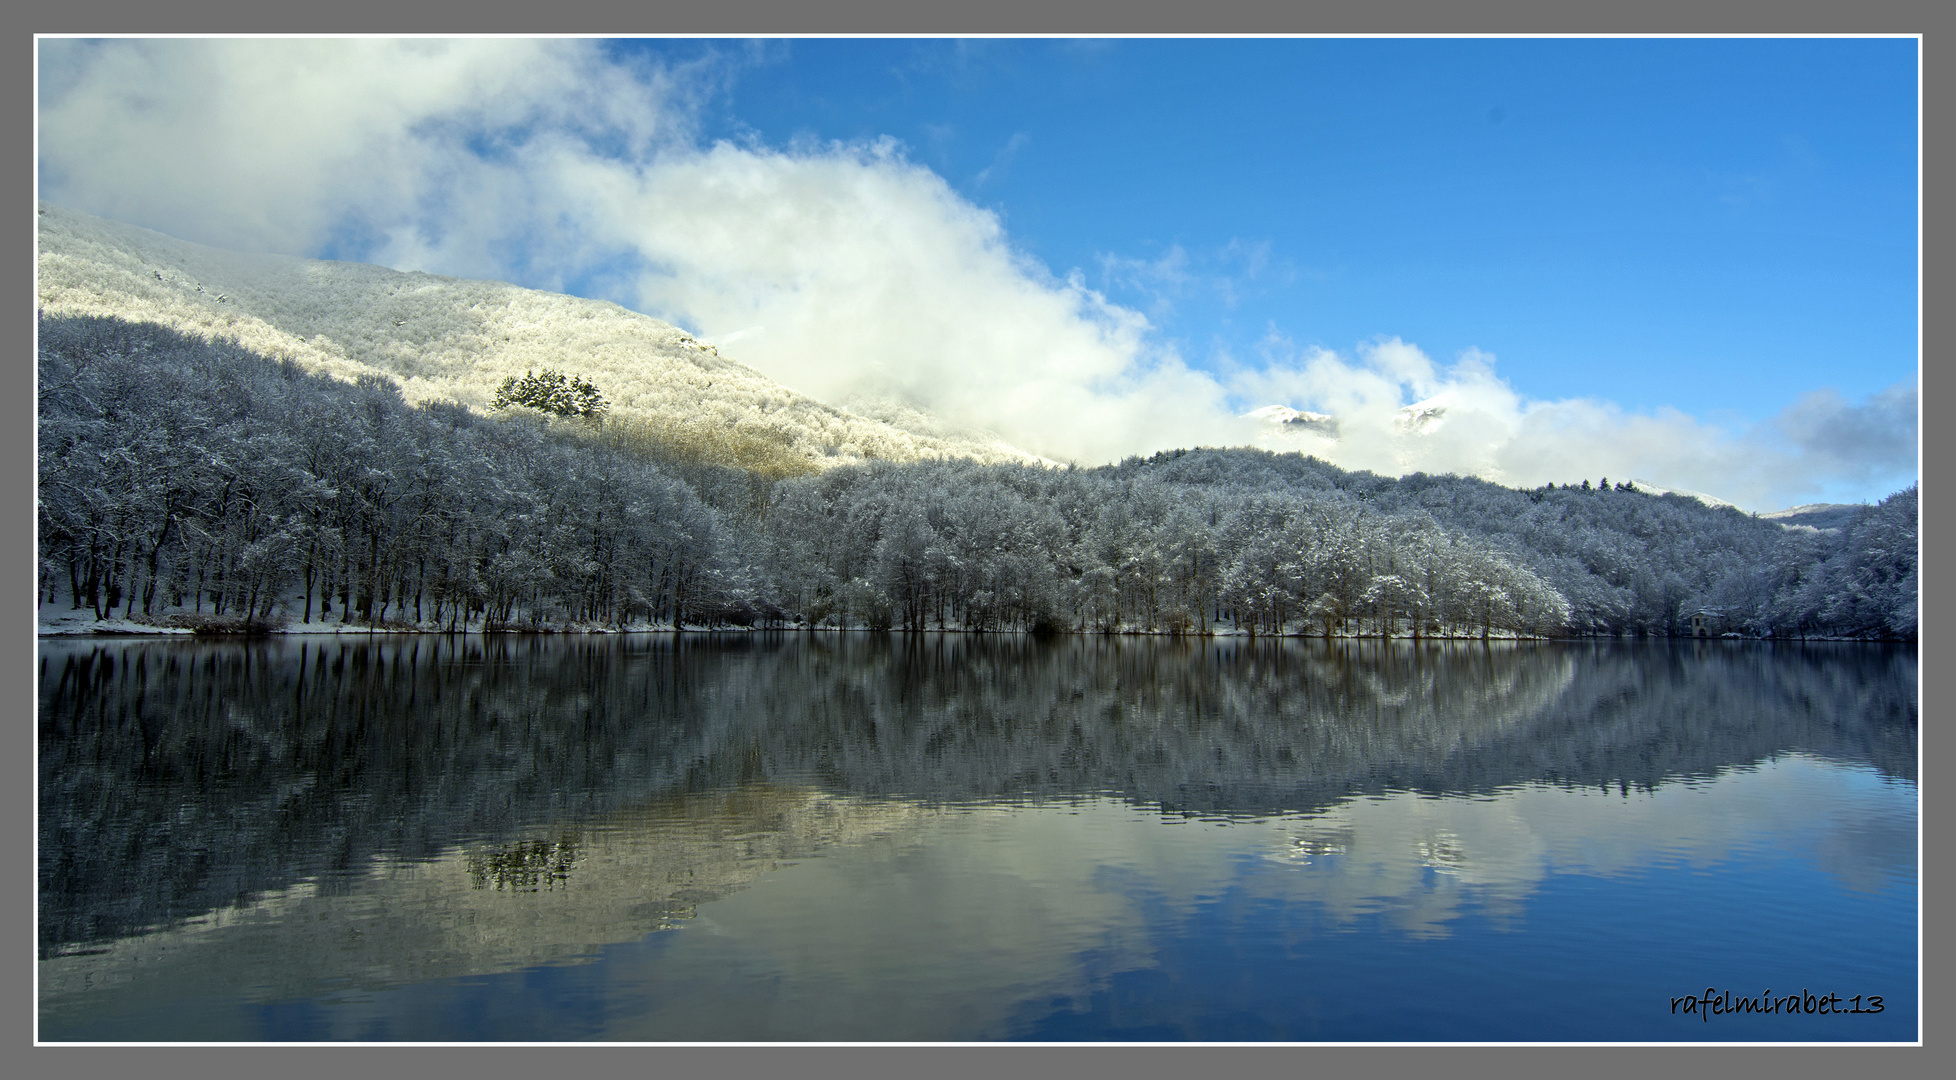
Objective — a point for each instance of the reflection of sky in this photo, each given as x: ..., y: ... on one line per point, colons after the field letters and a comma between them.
x: 1538, y: 912
x: 1422, y: 858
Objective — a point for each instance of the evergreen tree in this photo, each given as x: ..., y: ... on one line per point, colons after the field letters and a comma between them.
x: 552, y: 392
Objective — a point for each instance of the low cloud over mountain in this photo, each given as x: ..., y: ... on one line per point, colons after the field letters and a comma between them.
x: 840, y: 270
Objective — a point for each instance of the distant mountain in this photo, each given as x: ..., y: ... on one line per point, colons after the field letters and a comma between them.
x: 1817, y: 515
x: 1283, y: 416
x: 1419, y: 418
x: 1649, y: 488
x: 444, y: 338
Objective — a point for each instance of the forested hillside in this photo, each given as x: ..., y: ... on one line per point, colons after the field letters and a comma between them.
x: 452, y: 339
x: 198, y: 484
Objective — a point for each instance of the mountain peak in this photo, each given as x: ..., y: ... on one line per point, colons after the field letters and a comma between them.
x: 1283, y: 416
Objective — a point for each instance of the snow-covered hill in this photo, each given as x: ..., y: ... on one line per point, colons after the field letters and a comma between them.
x: 455, y: 339
x: 1817, y: 516
x: 1649, y: 488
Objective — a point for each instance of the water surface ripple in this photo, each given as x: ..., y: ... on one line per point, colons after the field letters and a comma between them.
x: 955, y: 837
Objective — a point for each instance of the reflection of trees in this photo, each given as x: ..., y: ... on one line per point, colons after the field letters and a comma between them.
x: 1229, y: 725
x: 528, y: 865
x: 1637, y: 716
x: 553, y: 896
x: 178, y: 777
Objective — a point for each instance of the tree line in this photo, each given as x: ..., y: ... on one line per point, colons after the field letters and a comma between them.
x: 195, y: 478
x: 194, y: 483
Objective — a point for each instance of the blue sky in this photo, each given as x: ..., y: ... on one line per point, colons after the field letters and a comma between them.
x: 1690, y: 261
x: 1710, y: 224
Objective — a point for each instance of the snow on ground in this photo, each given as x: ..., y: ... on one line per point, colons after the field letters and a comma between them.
x: 454, y: 339
x: 60, y: 620
x: 1817, y: 517
x: 1649, y: 488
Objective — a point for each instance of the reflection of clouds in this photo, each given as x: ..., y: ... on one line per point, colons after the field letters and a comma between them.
x: 1442, y: 851
x: 1424, y: 858
x: 1226, y: 727
x: 1140, y: 767
x: 1414, y: 859
x: 979, y: 913
x: 934, y: 936
x: 549, y: 898
x: 1864, y: 853
x: 826, y: 918
x: 1302, y: 849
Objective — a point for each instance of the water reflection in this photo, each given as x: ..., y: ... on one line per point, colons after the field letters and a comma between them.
x: 286, y: 816
x: 1426, y: 860
x: 485, y: 907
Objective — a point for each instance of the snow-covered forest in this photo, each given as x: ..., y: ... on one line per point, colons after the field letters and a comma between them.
x: 445, y: 339
x: 197, y: 484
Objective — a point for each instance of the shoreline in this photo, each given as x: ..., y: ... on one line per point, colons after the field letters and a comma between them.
x: 122, y: 628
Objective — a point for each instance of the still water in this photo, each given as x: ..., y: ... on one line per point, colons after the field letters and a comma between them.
x: 952, y: 838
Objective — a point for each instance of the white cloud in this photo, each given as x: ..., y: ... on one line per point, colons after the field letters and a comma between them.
x: 272, y: 143
x: 1853, y: 441
x: 1487, y: 428
x: 838, y: 269
x: 871, y: 275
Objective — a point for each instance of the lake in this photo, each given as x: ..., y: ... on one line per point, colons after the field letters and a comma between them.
x: 870, y: 837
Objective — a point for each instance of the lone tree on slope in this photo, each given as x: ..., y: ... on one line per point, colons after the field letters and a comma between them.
x: 552, y: 392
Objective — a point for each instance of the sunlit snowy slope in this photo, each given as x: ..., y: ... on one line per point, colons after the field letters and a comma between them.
x: 454, y: 339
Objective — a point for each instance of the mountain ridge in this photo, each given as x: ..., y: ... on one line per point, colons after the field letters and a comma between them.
x: 454, y: 339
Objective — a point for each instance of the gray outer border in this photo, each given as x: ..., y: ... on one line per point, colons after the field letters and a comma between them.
x: 784, y: 17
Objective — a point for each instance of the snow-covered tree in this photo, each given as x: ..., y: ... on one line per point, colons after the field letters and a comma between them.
x: 552, y: 392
